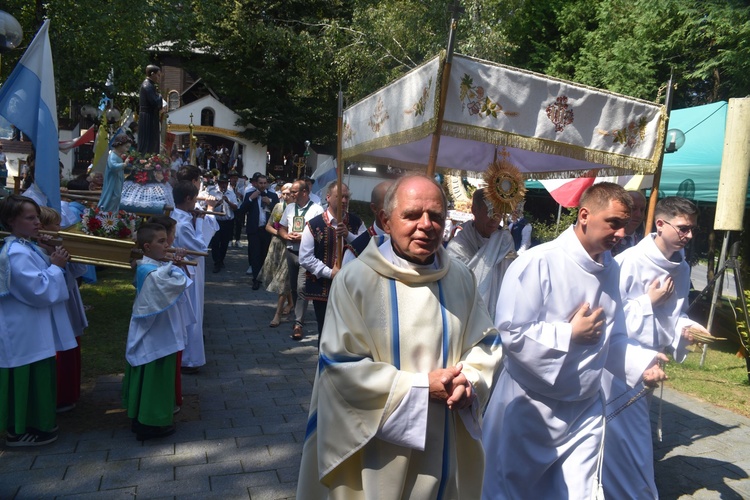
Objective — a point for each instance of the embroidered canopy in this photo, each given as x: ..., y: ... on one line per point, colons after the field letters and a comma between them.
x: 548, y: 127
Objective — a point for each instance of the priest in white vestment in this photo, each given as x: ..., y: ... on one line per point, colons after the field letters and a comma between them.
x: 407, y: 356
x: 654, y: 283
x: 487, y: 249
x: 560, y: 318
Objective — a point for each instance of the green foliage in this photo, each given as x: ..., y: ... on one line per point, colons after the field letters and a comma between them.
x: 549, y: 230
x: 280, y: 64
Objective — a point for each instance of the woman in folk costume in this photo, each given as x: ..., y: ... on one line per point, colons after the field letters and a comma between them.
x: 33, y: 326
x: 114, y: 176
x: 275, y: 271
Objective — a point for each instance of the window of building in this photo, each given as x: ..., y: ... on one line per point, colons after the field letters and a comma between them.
x: 207, y: 117
x: 174, y: 100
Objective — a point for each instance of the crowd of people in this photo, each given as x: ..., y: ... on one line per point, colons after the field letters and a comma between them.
x: 488, y: 370
x: 478, y: 369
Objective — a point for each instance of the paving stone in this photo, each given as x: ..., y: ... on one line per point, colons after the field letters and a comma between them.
x: 65, y: 459
x: 234, y: 482
x: 136, y: 449
x: 206, y: 470
x: 281, y: 492
x: 119, y: 479
x: 10, y: 481
x: 116, y: 494
x: 53, y: 487
x: 237, y: 432
x: 10, y: 461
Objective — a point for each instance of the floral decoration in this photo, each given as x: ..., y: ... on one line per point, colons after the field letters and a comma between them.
x: 478, y: 102
x: 348, y: 132
x: 418, y: 108
x: 149, y: 168
x: 559, y: 113
x: 119, y: 225
x: 379, y: 116
x: 630, y: 135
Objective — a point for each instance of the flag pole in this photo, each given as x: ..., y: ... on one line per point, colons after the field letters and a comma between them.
x: 456, y: 9
x: 339, y: 176
x: 657, y: 173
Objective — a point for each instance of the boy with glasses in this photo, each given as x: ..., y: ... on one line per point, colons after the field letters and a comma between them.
x: 654, y: 283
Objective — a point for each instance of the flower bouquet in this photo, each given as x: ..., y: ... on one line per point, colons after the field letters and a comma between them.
x: 117, y: 225
x: 146, y: 189
x: 149, y: 168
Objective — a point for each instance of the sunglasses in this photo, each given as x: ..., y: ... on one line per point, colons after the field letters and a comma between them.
x: 683, y: 230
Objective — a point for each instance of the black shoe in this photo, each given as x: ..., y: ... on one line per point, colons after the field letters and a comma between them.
x: 217, y: 268
x: 32, y: 437
x: 256, y: 284
x: 221, y: 264
x: 153, y: 432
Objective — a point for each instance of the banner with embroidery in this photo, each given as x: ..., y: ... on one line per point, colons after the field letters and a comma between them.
x: 550, y: 127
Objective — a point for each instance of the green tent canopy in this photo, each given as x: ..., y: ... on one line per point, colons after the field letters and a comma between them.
x: 693, y: 171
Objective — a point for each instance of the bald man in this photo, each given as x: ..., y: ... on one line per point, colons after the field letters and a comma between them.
x: 356, y: 247
x: 407, y: 359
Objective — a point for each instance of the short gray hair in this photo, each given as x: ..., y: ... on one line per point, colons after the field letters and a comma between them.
x: 389, y: 204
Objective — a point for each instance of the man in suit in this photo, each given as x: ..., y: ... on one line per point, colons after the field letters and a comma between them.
x: 258, y: 204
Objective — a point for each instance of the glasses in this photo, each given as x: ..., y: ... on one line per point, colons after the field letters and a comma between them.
x: 683, y: 230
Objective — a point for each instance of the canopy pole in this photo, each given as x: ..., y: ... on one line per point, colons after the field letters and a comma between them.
x: 657, y: 173
x: 339, y: 176
x: 456, y: 9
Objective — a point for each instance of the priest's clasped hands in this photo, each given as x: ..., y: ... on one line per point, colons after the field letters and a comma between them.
x: 450, y: 386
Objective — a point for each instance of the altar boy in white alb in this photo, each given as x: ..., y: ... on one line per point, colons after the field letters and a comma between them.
x: 560, y: 318
x: 654, y: 283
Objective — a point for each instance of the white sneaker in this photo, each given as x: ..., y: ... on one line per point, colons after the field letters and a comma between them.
x: 249, y: 271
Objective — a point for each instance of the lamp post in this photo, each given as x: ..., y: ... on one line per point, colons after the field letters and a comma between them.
x: 306, y: 154
x: 302, y: 162
x: 670, y: 146
x: 11, y: 33
x: 675, y: 140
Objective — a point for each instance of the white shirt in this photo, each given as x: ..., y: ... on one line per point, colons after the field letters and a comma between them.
x: 223, y: 206
x: 525, y: 237
x: 287, y: 219
x: 307, y: 257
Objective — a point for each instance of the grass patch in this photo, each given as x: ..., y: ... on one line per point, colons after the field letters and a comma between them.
x: 722, y: 381
x: 103, y: 343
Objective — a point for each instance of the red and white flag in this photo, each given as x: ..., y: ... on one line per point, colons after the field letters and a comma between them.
x: 87, y: 136
x: 567, y: 192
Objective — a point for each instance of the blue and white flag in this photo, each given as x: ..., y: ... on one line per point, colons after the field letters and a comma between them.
x: 323, y: 175
x: 27, y: 100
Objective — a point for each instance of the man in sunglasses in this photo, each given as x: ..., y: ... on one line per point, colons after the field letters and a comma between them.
x: 654, y: 283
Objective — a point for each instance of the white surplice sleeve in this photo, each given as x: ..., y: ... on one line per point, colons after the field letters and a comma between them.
x: 531, y: 341
x: 33, y: 284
